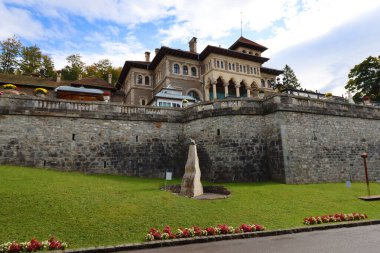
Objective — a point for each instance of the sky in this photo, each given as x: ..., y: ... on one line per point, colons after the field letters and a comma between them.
x: 321, y: 40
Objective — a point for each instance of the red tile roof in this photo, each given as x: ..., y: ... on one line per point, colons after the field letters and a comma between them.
x: 243, y: 42
x: 93, y: 81
x: 26, y: 80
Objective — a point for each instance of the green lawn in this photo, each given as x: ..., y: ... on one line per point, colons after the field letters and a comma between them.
x: 91, y: 210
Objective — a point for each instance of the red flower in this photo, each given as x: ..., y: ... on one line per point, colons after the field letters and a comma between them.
x: 211, y: 231
x: 223, y: 229
x: 166, y: 230
x: 246, y: 228
x: 15, y: 247
x: 197, y: 231
x: 34, y: 245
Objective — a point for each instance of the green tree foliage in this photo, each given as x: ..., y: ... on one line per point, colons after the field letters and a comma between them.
x: 364, y: 79
x: 31, y: 59
x: 10, y: 51
x: 102, y: 68
x: 115, y: 74
x: 289, y: 79
x: 74, y: 68
x: 47, y: 66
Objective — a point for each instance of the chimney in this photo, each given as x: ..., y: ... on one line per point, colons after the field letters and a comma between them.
x: 147, y: 56
x: 193, y: 45
x: 110, y: 78
x: 80, y: 77
x: 156, y: 50
x: 58, y: 76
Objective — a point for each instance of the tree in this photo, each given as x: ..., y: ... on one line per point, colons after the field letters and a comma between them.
x: 31, y: 59
x: 364, y: 79
x: 102, y: 68
x: 74, y: 69
x: 47, y: 66
x: 10, y: 50
x: 289, y: 79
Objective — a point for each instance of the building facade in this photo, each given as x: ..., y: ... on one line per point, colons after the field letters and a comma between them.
x: 215, y: 73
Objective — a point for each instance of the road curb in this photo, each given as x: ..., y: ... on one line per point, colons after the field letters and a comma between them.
x: 183, y: 241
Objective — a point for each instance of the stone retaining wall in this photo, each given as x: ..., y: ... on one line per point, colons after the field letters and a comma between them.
x: 282, y: 138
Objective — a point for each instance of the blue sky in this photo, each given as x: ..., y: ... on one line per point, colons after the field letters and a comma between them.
x: 320, y: 39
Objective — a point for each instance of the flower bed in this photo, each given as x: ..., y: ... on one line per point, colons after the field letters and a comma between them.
x: 32, y: 246
x: 166, y: 233
x: 10, y: 86
x: 41, y: 90
x: 334, y: 218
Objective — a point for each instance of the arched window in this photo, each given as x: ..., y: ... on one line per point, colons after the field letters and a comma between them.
x: 254, y: 71
x: 250, y: 52
x: 194, y: 94
x: 176, y: 68
x: 244, y: 51
x: 193, y: 71
x: 269, y: 83
x: 139, y: 79
x: 221, y: 64
x: 244, y: 69
x: 217, y: 64
x: 233, y: 66
x: 147, y: 80
x: 185, y: 70
x: 142, y: 101
x: 262, y: 83
x: 229, y: 66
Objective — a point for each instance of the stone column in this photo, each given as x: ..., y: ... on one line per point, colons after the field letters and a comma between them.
x: 237, y: 87
x: 248, y: 88
x: 207, y: 92
x: 214, y: 90
x: 226, y: 90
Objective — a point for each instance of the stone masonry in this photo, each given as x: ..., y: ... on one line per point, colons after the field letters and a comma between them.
x: 283, y: 138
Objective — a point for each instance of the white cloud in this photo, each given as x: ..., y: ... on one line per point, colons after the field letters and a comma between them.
x: 18, y: 22
x: 116, y: 52
x: 317, y: 18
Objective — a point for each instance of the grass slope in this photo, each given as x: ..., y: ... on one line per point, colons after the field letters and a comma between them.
x: 91, y: 210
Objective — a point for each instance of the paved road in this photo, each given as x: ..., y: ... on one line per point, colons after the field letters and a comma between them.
x: 365, y: 239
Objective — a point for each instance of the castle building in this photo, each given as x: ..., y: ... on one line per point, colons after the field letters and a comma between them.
x: 213, y: 74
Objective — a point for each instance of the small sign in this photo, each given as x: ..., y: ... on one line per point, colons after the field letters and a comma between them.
x: 348, y: 184
x: 169, y: 175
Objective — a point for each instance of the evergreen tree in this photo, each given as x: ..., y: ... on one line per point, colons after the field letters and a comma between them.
x: 10, y: 51
x: 289, y: 79
x: 364, y: 79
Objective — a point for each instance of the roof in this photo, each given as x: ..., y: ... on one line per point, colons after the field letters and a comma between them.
x: 93, y: 81
x: 227, y: 52
x: 26, y: 80
x: 127, y: 66
x: 170, y: 51
x: 271, y: 71
x: 173, y: 96
x: 244, y: 42
x: 78, y: 89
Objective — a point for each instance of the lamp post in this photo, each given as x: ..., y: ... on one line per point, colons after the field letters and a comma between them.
x: 364, y: 156
x: 276, y: 84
